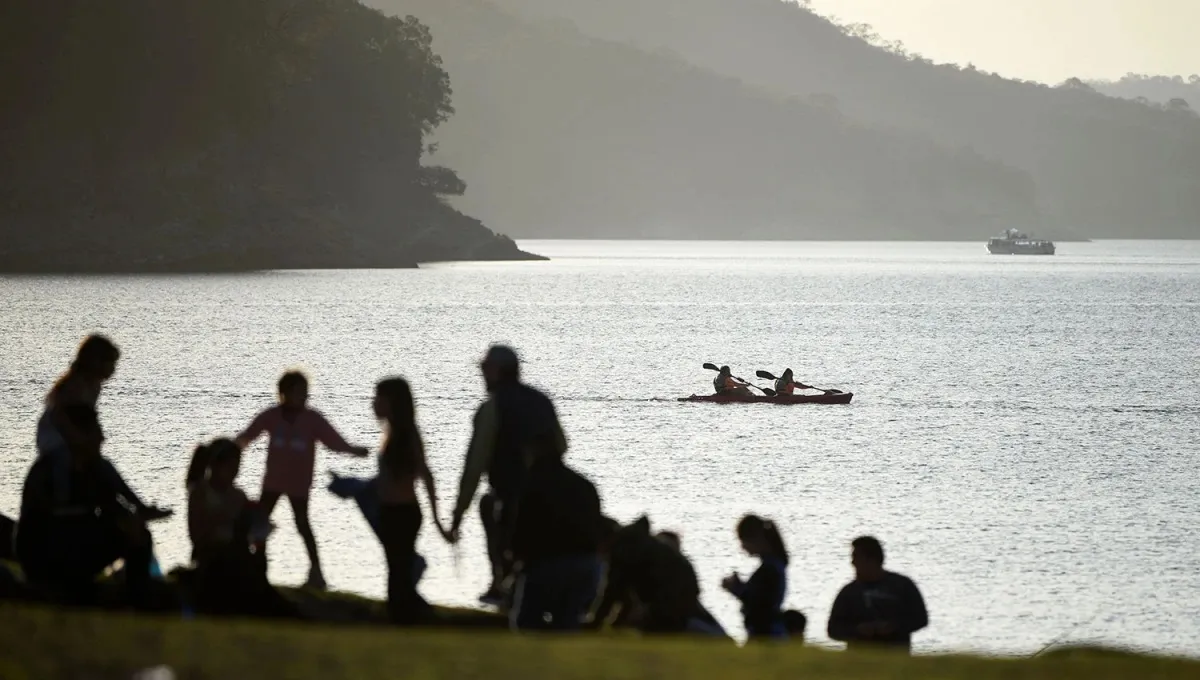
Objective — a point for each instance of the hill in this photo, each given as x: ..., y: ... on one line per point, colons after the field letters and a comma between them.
x: 564, y: 135
x: 203, y: 135
x: 1162, y: 90
x: 1108, y: 167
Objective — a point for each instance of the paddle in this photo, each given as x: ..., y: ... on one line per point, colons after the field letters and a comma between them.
x: 769, y: 376
x: 765, y: 390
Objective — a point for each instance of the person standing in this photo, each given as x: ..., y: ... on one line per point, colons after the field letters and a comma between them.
x: 514, y: 427
x: 294, y: 431
x: 401, y: 463
x: 879, y: 607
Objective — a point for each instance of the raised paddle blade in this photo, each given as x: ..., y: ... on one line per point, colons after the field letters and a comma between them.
x: 765, y: 375
x: 712, y: 367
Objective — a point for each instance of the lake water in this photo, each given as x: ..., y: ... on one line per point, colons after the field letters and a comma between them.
x: 1023, y: 438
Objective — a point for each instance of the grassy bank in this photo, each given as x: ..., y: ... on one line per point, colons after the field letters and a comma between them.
x: 43, y: 644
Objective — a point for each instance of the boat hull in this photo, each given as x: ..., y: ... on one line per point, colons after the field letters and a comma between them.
x: 1044, y: 248
x: 781, y: 399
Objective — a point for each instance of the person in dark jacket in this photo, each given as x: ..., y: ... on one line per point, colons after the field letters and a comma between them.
x: 516, y: 426
x: 556, y: 543
x: 879, y: 607
x: 762, y: 596
x: 64, y: 543
x: 651, y: 585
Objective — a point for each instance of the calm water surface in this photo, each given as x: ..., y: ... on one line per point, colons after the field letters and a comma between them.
x: 1024, y: 436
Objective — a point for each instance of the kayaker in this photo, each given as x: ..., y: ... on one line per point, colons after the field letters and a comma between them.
x: 725, y: 383
x: 786, y: 384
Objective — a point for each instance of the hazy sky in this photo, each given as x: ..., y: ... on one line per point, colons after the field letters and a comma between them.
x: 1046, y: 40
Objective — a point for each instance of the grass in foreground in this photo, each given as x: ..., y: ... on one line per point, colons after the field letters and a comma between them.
x: 44, y: 644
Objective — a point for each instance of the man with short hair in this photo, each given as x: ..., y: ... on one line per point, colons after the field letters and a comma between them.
x: 64, y: 543
x: 879, y: 607
x: 514, y: 427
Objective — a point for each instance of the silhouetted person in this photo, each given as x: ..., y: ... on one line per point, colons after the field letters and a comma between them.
x: 878, y: 607
x: 63, y: 544
x: 228, y: 535
x: 294, y: 430
x: 786, y: 383
x: 725, y: 383
x: 762, y: 596
x: 670, y: 538
x: 94, y: 364
x: 515, y: 426
x: 652, y: 583
x: 401, y: 464
x: 556, y: 542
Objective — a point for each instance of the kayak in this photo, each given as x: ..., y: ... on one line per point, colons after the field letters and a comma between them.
x: 834, y: 397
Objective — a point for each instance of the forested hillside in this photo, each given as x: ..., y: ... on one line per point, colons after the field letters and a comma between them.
x: 142, y: 135
x: 559, y: 134
x: 1107, y: 167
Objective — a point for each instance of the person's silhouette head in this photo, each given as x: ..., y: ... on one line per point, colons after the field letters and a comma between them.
x: 867, y: 557
x: 500, y: 366
x: 293, y: 390
x: 97, y: 358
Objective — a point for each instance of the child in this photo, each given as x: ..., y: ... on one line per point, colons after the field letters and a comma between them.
x: 294, y: 431
x: 762, y: 596
x: 227, y: 534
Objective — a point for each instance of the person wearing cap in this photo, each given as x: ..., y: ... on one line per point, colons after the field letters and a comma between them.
x: 514, y: 427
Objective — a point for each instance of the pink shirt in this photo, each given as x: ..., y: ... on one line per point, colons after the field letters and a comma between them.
x: 292, y: 448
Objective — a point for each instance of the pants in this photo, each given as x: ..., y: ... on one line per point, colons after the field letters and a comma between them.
x: 560, y: 589
x: 498, y: 516
x: 72, y: 552
x: 398, y: 529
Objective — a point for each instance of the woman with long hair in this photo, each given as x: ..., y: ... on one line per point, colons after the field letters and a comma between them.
x: 762, y: 596
x: 401, y: 463
x: 94, y: 363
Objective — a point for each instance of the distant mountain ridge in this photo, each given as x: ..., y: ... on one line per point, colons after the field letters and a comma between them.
x: 1104, y: 167
x: 559, y: 134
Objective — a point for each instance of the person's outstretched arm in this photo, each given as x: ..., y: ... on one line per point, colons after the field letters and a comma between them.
x: 479, y: 457
x: 333, y: 441
x: 253, y: 431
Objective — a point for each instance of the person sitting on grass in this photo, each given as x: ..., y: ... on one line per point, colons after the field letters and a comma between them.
x: 878, y: 608
x: 227, y: 536
x: 294, y: 431
x: 64, y: 544
x: 650, y: 585
x: 556, y: 541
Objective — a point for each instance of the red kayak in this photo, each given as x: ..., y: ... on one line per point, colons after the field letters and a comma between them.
x: 832, y: 397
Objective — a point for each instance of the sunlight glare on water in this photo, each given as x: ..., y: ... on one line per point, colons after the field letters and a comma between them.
x: 1023, y: 437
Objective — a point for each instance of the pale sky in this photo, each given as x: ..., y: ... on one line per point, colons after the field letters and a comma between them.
x: 1046, y: 40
